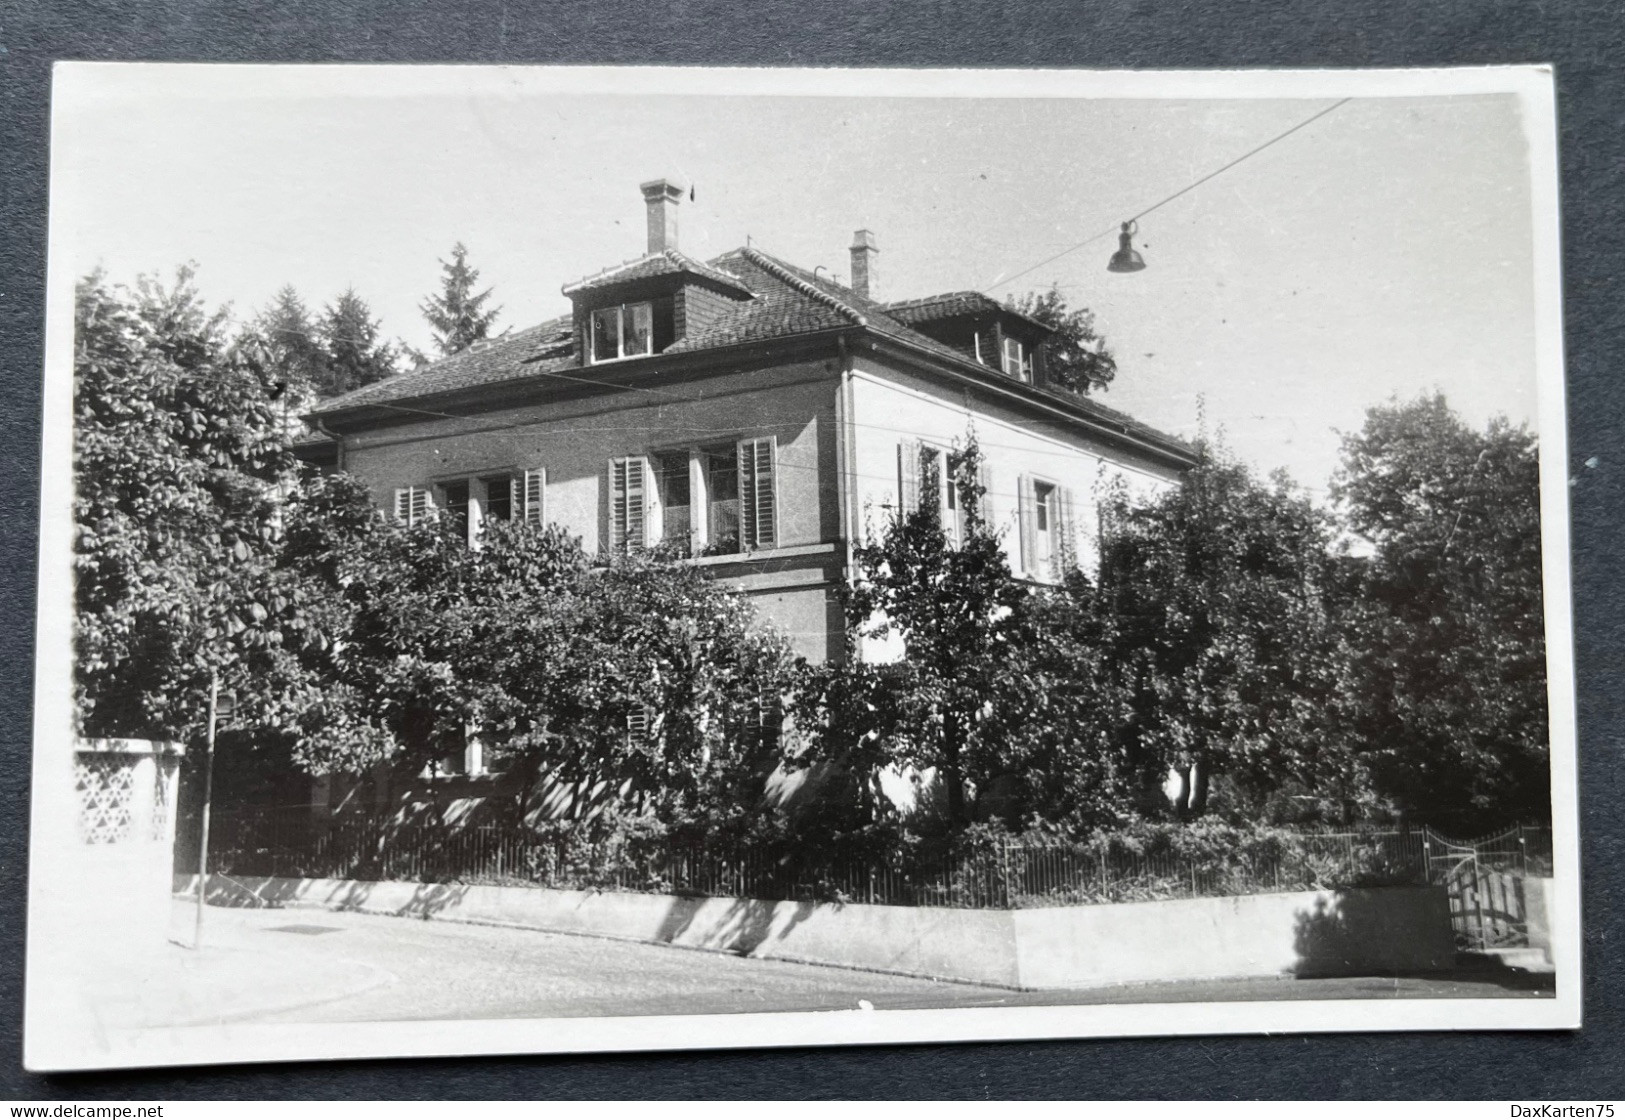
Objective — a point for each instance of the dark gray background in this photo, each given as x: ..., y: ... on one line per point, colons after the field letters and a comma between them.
x: 1582, y: 39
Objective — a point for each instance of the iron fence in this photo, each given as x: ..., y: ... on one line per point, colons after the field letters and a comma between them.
x: 995, y: 873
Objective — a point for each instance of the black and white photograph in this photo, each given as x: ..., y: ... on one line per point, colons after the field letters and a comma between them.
x: 545, y: 560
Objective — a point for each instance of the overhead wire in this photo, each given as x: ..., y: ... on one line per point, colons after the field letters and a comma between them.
x: 1177, y: 194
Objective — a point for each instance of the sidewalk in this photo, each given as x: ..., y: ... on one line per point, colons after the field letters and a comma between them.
x: 239, y: 973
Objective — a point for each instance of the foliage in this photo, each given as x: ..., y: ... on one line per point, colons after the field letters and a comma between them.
x: 356, y: 352
x: 457, y: 312
x: 638, y: 681
x: 1219, y: 594
x: 1448, y: 693
x: 178, y: 450
x: 948, y: 704
x: 293, y: 346
x: 1076, y: 357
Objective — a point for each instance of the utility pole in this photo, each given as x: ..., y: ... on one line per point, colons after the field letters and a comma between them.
x: 208, y: 792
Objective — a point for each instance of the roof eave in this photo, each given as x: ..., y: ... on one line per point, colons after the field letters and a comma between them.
x: 619, y: 376
x: 1169, y: 450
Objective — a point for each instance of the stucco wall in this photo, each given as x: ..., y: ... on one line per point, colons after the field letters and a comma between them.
x: 890, y: 406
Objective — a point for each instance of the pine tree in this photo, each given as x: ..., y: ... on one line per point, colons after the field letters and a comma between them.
x: 458, y: 313
x: 291, y: 340
x: 356, y: 355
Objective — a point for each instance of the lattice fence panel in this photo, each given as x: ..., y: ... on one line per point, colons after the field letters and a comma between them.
x: 106, y: 788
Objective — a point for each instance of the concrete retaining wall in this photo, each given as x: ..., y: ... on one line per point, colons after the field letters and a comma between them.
x: 1359, y: 932
x: 1326, y: 933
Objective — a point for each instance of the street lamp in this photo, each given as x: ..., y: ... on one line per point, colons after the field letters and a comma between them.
x: 1126, y: 259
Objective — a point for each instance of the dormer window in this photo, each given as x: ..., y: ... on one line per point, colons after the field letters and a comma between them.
x: 623, y: 331
x: 629, y: 330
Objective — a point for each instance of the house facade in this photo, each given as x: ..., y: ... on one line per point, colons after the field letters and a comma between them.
x: 755, y: 417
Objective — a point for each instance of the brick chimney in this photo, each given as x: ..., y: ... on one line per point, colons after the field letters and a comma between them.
x: 661, y: 197
x: 865, y: 254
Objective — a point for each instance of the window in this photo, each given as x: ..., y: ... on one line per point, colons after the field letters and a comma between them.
x: 499, y: 497
x: 722, y: 499
x: 1017, y: 362
x: 930, y: 480
x: 1043, y: 519
x: 1048, y: 534
x: 672, y: 486
x: 454, y: 496
x: 628, y: 504
x: 413, y: 505
x: 472, y: 502
x: 623, y: 331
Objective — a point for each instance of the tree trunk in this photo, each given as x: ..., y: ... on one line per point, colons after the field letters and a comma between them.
x: 952, y: 778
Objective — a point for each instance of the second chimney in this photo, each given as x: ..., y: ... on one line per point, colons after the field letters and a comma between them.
x: 865, y: 254
x: 661, y: 197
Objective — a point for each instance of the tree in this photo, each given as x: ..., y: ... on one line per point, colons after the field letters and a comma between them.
x: 356, y: 354
x: 178, y: 450
x: 639, y: 685
x: 293, y: 348
x: 1219, y: 595
x: 947, y: 706
x: 1075, y: 357
x: 1448, y: 698
x: 457, y: 313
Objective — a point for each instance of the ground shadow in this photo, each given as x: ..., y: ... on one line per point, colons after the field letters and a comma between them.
x: 742, y: 928
x: 1394, y: 933
x: 431, y: 898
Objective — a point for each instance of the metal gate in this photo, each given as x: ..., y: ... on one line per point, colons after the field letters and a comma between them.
x: 1484, y: 879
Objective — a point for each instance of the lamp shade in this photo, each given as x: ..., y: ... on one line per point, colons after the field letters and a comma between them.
x: 1126, y: 259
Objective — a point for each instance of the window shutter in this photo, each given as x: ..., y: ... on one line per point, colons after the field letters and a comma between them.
x: 1067, y: 538
x: 628, y: 503
x: 535, y: 495
x: 984, y: 479
x: 412, y: 504
x: 758, y: 492
x: 637, y: 726
x: 1027, y: 502
x: 908, y: 476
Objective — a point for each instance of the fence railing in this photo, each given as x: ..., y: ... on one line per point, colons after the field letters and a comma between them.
x: 1001, y: 873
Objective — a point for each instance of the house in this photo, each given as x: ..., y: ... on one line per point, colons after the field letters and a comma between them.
x: 759, y: 417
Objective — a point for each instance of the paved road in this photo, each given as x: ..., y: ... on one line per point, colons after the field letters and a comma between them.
x: 375, y: 968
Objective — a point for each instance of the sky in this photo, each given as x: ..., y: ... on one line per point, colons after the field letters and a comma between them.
x: 1384, y: 249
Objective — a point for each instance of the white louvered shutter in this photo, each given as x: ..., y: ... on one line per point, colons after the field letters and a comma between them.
x: 534, y: 496
x: 1027, y: 509
x: 412, y: 504
x: 628, y: 503
x: 758, y: 493
x: 908, y: 476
